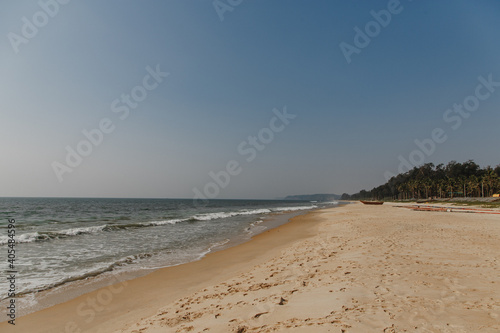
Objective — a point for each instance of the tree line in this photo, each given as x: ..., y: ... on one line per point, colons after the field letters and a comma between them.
x: 455, y: 179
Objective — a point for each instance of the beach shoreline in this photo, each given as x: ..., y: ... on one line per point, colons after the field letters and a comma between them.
x: 118, y: 284
x: 33, y: 302
x: 354, y: 268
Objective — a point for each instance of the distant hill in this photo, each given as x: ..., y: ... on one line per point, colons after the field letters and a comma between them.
x: 314, y: 197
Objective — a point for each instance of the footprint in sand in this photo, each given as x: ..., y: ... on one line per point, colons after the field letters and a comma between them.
x: 260, y: 311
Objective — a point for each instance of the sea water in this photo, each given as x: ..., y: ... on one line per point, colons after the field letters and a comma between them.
x: 63, y: 240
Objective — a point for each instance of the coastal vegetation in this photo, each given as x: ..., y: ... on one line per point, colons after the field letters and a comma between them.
x: 313, y: 197
x: 429, y: 181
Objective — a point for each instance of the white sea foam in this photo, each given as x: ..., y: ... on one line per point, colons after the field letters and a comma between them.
x: 80, y: 231
x: 218, y: 244
x: 253, y: 224
x: 222, y: 215
x: 28, y: 238
x: 173, y: 221
x: 291, y: 209
x: 211, y: 247
x: 40, y: 236
x: 24, y: 238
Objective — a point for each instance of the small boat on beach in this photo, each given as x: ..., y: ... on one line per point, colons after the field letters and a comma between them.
x: 372, y: 202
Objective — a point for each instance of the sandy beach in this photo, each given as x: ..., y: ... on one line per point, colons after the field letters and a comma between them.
x: 354, y: 268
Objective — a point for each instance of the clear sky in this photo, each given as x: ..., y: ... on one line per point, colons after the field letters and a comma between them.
x: 360, y: 100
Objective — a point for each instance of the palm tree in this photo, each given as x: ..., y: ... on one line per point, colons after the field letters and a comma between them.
x: 441, y: 186
x: 427, y: 183
x: 463, y: 184
x: 401, y: 188
x: 418, y: 184
x: 450, y: 186
x: 495, y: 183
x: 404, y: 188
x: 473, y: 184
x: 491, y: 181
x: 412, y: 186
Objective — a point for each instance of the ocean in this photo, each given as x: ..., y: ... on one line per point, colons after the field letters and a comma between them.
x: 60, y: 241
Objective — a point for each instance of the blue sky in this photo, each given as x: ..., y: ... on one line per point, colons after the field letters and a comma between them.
x: 353, y: 120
